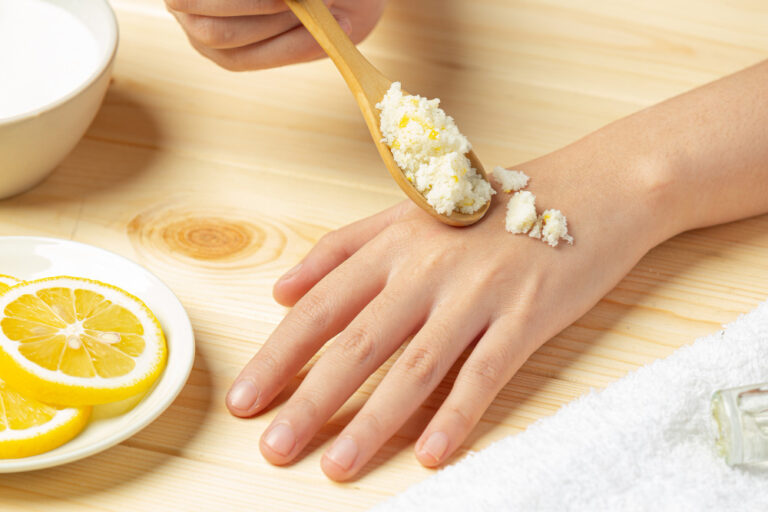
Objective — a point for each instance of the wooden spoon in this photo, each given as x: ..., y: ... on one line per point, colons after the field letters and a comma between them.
x: 369, y: 85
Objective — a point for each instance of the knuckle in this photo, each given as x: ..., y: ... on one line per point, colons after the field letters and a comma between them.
x: 180, y: 5
x: 230, y: 64
x: 483, y: 374
x: 429, y: 262
x: 440, y: 332
x: 488, y: 276
x: 381, y: 307
x: 207, y: 30
x: 370, y: 424
x: 358, y: 345
x: 419, y: 364
x: 466, y: 421
x: 400, y: 231
x: 267, y: 362
x: 328, y: 239
x: 331, y: 243
x: 518, y: 309
x: 313, y: 311
x: 306, y: 406
x: 397, y: 240
x: 231, y: 60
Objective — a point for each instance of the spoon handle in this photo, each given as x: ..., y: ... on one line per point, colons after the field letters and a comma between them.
x: 361, y: 76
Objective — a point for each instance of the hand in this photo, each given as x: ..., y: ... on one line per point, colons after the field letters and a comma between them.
x: 400, y: 272
x: 243, y: 35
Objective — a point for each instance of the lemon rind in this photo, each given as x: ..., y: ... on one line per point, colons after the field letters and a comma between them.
x: 62, y: 428
x: 75, y: 391
x: 9, y: 280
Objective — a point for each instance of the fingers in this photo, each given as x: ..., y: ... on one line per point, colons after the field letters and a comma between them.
x: 233, y: 32
x: 227, y: 8
x: 359, y: 350
x: 293, y: 46
x: 330, y: 252
x: 242, y: 35
x: 317, y: 317
x: 495, y: 359
x: 412, y: 378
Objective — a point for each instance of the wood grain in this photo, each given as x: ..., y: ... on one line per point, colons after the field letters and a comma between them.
x: 218, y: 182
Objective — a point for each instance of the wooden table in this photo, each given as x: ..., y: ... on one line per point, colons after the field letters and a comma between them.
x: 219, y: 181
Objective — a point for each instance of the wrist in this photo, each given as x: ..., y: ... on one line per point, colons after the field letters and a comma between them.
x: 645, y: 188
x: 611, y: 191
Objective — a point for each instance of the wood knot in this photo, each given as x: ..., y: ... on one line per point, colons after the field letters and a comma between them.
x: 210, y: 238
x: 202, y: 235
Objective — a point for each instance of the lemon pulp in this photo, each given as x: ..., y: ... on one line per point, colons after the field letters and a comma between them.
x: 29, y: 427
x: 74, y: 341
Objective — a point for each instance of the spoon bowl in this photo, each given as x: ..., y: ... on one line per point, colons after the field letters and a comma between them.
x: 369, y: 86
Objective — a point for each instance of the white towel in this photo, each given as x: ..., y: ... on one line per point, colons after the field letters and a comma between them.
x: 643, y: 443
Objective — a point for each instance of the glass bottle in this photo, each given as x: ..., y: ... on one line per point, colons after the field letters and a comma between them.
x: 741, y: 423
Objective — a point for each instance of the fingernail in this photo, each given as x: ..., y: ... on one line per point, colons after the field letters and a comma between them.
x: 291, y: 273
x: 281, y: 439
x: 436, y: 445
x: 343, y: 453
x: 243, y: 395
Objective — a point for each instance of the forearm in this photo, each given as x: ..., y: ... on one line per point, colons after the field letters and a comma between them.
x: 706, y: 149
x: 695, y: 160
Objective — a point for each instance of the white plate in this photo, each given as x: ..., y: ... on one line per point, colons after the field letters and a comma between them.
x: 34, y: 258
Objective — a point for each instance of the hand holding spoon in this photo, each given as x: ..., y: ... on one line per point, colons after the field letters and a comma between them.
x: 369, y: 85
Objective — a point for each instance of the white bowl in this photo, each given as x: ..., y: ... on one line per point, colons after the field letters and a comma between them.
x: 33, y: 143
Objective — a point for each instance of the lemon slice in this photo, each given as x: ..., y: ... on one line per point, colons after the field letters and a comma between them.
x: 73, y: 341
x: 29, y: 427
x: 6, y: 282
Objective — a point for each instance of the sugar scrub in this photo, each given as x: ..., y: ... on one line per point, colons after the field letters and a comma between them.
x: 550, y: 227
x: 510, y: 181
x: 521, y: 212
x: 431, y: 152
x: 46, y: 54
